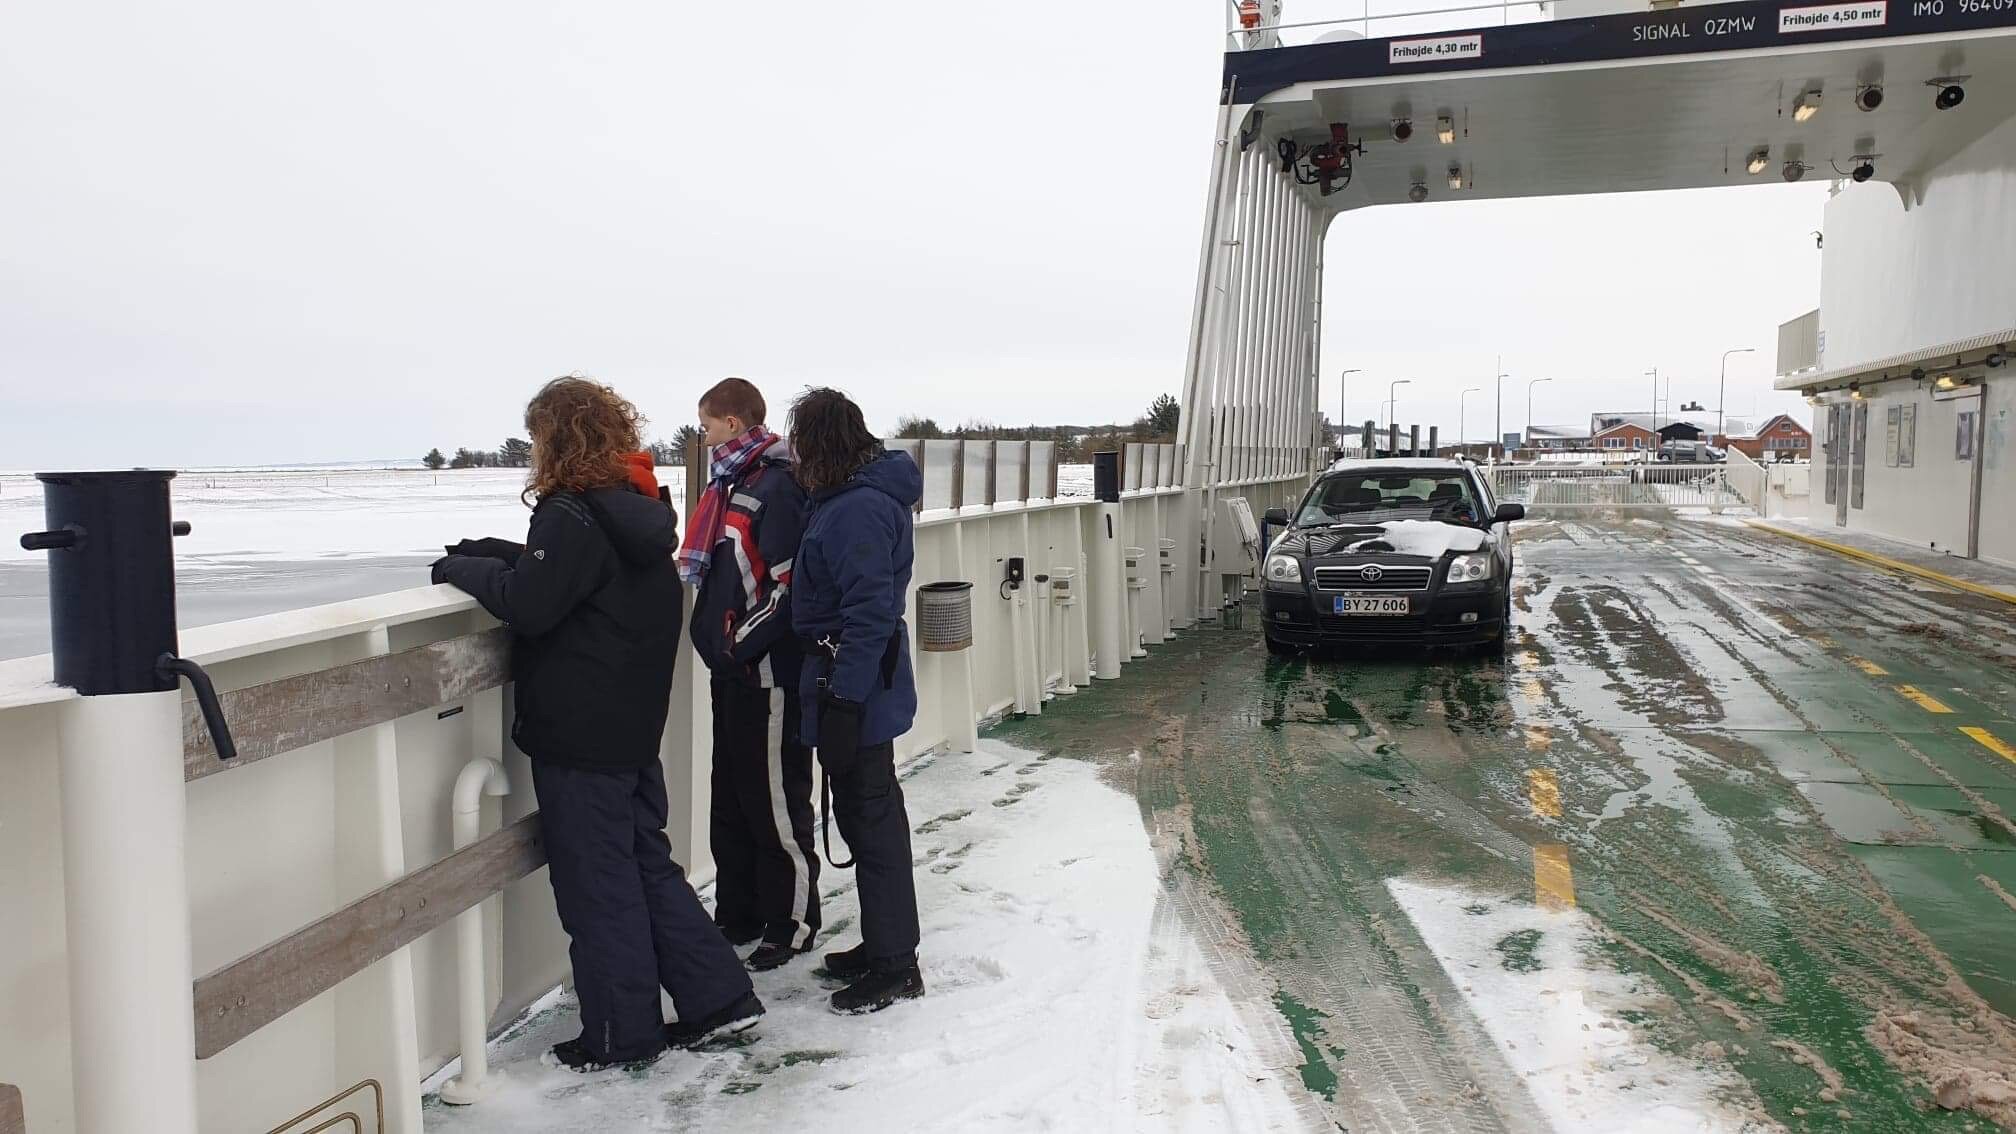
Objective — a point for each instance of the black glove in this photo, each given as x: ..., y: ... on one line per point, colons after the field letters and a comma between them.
x: 839, y: 735
x: 489, y: 548
x: 440, y: 572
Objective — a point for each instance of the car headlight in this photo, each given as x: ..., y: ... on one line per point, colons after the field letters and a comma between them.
x: 1470, y: 568
x: 1284, y: 569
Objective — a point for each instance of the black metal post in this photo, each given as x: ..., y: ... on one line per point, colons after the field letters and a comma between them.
x: 1106, y: 477
x: 111, y: 579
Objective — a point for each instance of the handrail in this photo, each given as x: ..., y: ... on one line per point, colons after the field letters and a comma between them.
x: 294, y: 712
x: 234, y: 1001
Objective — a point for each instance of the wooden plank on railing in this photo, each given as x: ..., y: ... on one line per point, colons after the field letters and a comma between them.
x: 294, y: 712
x: 13, y: 1119
x: 259, y: 988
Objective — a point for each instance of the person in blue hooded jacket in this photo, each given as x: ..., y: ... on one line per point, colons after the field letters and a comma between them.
x: 851, y: 587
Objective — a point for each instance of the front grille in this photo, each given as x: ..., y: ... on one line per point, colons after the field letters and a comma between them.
x: 1391, y: 578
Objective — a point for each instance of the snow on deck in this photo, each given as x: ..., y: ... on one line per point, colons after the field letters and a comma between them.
x: 1051, y: 1005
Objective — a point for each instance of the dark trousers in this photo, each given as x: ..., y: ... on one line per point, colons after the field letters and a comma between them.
x: 634, y: 922
x: 760, y: 823
x: 868, y: 802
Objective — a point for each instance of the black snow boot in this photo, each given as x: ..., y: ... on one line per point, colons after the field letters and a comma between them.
x: 847, y: 964
x: 573, y: 1055
x: 736, y: 1018
x: 771, y: 955
x: 880, y: 988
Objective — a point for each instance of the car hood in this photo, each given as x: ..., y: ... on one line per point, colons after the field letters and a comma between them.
x: 1429, y: 539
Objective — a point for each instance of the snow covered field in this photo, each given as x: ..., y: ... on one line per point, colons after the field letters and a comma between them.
x: 1056, y: 1000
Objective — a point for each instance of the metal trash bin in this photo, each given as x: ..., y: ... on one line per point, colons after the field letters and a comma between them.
x: 944, y: 617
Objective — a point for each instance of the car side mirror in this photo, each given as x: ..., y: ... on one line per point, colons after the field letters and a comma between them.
x: 1277, y: 516
x: 1508, y: 512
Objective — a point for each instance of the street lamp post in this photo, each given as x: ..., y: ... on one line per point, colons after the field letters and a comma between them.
x: 1498, y: 421
x: 1529, y: 407
x: 1654, y: 372
x: 1462, y: 415
x: 1343, y: 417
x: 1393, y: 400
x: 1722, y: 395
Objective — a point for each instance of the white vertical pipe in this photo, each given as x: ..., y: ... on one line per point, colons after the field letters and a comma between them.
x: 478, y: 778
x: 126, y: 899
x: 1283, y: 278
x: 1293, y: 424
x: 1107, y: 591
x: 1225, y: 370
x: 1284, y: 327
x: 1194, y: 423
x: 1077, y: 616
x: 959, y: 714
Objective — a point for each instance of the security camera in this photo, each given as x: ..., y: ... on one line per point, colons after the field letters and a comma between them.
x: 1863, y: 171
x: 1996, y: 360
x: 1794, y: 170
x: 1951, y: 93
x: 1917, y: 374
x: 1418, y: 193
x: 1402, y: 129
x: 1869, y: 96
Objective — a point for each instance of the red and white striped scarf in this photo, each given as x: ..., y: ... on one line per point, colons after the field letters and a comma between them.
x: 703, y: 528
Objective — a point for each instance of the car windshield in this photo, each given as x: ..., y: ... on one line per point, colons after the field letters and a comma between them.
x: 1418, y: 494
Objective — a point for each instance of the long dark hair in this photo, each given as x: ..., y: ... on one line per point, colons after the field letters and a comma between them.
x: 830, y: 441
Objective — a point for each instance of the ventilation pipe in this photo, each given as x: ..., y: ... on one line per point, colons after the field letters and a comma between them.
x: 478, y: 778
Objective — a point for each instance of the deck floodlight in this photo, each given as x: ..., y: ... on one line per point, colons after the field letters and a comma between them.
x: 1418, y: 193
x: 1951, y: 93
x: 1403, y: 129
x: 1996, y: 360
x: 1455, y: 176
x: 1794, y: 170
x: 1863, y: 171
x: 1805, y: 106
x: 1760, y: 159
x: 1868, y: 96
x: 1855, y: 391
x: 1445, y: 130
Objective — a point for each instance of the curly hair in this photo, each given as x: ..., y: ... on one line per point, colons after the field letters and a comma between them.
x: 581, y: 432
x: 830, y: 441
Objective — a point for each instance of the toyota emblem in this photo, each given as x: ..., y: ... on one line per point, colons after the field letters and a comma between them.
x: 1370, y: 573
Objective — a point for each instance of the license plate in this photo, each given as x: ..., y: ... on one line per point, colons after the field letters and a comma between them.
x: 1368, y: 604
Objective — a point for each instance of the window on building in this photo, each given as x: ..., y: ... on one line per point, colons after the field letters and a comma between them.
x: 1637, y: 442
x: 1963, y: 436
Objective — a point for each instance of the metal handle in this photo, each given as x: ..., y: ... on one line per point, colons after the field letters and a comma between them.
x: 206, y: 699
x: 58, y: 540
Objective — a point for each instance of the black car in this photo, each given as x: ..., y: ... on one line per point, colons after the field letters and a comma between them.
x: 1409, y: 551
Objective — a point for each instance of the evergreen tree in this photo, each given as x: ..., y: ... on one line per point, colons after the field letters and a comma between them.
x: 683, y: 441
x: 466, y: 459
x: 516, y: 453
x: 433, y: 459
x: 916, y: 427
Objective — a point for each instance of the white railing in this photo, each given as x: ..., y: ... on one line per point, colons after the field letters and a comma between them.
x: 1645, y: 485
x: 357, y: 820
x: 1368, y: 23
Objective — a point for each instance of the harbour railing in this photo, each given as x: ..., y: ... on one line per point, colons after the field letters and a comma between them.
x: 1640, y: 485
x: 352, y: 898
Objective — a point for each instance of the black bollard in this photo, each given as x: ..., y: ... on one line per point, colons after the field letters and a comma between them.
x: 1106, y: 477
x: 112, y: 588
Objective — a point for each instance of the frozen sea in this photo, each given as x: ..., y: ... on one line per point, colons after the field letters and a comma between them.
x: 272, y: 539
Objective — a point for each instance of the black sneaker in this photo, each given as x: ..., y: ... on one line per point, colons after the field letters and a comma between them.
x: 771, y: 955
x: 573, y: 1055
x: 879, y: 989
x: 736, y: 1018
x: 848, y: 964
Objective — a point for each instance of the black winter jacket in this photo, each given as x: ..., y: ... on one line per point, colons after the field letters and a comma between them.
x: 742, y: 613
x: 594, y: 605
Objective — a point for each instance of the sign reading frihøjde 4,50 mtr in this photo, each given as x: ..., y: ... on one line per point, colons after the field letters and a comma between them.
x: 1721, y: 27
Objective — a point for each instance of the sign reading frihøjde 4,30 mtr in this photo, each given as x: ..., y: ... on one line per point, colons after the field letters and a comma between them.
x: 1721, y: 27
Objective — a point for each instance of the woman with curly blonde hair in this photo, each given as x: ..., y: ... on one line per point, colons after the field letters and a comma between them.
x: 594, y: 605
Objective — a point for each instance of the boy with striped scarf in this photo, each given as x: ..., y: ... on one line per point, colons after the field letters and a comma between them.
x: 737, y: 553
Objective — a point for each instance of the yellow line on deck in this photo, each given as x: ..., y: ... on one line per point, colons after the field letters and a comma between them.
x: 1545, y: 792
x: 1888, y: 563
x: 1869, y: 667
x: 1991, y: 742
x: 1539, y: 737
x: 1533, y: 690
x: 1924, y: 700
x: 1553, y: 878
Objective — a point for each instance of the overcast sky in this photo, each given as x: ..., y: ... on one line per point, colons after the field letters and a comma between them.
x: 252, y: 232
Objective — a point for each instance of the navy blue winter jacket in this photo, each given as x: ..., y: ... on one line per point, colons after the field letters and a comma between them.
x: 742, y: 615
x: 852, y: 585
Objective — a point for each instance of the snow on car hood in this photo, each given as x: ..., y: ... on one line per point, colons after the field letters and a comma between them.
x: 1429, y: 539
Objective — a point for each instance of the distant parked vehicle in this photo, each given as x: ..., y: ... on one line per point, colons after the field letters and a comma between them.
x: 1690, y: 453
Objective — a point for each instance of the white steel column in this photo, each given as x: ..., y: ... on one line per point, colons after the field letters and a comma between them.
x: 1194, y: 424
x: 126, y: 896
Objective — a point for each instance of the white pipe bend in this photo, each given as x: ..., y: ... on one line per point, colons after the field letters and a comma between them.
x: 478, y: 778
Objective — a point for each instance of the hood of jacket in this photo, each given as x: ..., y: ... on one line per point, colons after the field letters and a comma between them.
x: 642, y: 529
x: 893, y: 474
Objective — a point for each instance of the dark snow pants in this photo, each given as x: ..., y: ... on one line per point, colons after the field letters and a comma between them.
x: 760, y: 823
x: 634, y: 923
x: 868, y: 802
